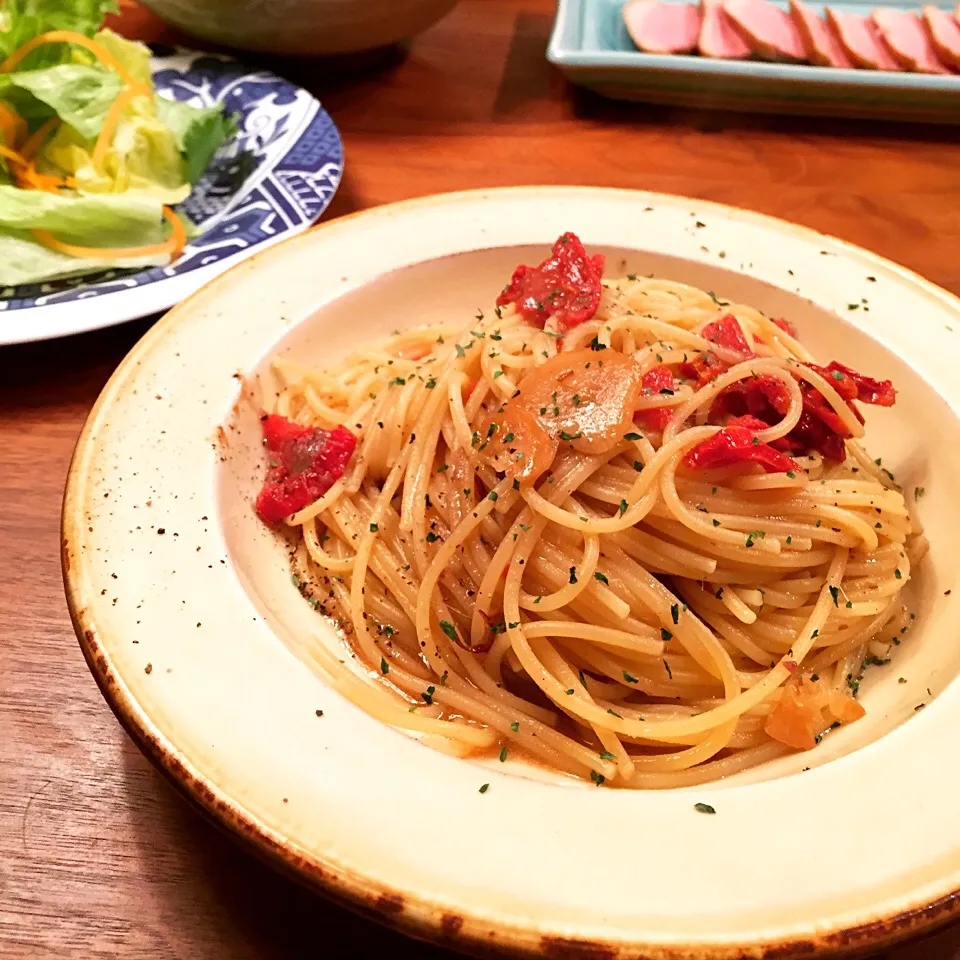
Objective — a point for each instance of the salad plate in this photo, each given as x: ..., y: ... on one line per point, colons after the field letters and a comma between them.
x: 272, y: 178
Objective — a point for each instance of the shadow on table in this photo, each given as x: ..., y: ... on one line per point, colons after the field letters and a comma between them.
x: 227, y: 902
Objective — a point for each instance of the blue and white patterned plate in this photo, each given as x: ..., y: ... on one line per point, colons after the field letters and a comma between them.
x: 272, y: 180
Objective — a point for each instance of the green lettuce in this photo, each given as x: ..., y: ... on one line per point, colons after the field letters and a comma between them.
x: 23, y: 260
x: 158, y: 150
x: 198, y: 131
x: 98, y: 221
x: 92, y: 221
x: 22, y: 20
x: 79, y: 94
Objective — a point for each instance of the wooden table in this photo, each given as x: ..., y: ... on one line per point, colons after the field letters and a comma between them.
x: 98, y: 856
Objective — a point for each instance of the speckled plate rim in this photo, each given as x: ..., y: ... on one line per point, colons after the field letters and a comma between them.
x: 464, y: 928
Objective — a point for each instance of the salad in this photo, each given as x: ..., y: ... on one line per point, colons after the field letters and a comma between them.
x: 92, y: 160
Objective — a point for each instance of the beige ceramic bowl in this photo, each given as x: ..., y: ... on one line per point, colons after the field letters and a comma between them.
x: 302, y: 27
x: 185, y: 610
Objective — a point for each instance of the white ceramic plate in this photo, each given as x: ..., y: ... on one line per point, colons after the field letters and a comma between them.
x: 271, y: 180
x: 187, y: 615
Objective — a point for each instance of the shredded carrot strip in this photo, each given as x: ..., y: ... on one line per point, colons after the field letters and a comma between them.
x: 111, y: 121
x: 68, y: 36
x: 173, y: 245
x: 14, y: 127
x: 24, y: 173
x: 178, y: 232
x: 36, y: 139
x: 13, y: 156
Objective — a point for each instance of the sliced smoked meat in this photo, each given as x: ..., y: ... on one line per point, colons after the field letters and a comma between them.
x: 657, y: 27
x: 819, y: 40
x: 770, y: 31
x: 907, y: 40
x: 718, y: 39
x: 944, y: 34
x: 859, y: 38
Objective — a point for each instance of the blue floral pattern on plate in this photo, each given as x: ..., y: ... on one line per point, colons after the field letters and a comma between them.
x: 275, y: 177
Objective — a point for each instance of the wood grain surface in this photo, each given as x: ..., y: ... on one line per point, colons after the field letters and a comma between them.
x: 98, y: 857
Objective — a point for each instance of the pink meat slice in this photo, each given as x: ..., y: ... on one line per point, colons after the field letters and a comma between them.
x: 821, y: 43
x: 944, y: 34
x: 859, y: 38
x: 657, y: 27
x: 907, y: 40
x: 770, y: 31
x: 717, y: 37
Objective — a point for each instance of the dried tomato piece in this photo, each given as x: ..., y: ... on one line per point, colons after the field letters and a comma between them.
x: 765, y: 397
x: 811, y: 433
x: 786, y: 326
x: 305, y: 463
x: 657, y: 380
x: 852, y: 385
x: 704, y: 367
x: 737, y: 443
x: 727, y: 333
x: 565, y: 286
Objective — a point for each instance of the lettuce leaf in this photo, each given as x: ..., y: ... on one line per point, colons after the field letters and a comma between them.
x: 143, y: 159
x: 132, y: 55
x: 198, y: 131
x: 22, y: 20
x: 94, y: 221
x: 80, y: 95
x: 104, y: 222
x: 23, y: 260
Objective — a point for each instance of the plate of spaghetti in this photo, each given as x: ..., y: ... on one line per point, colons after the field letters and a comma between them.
x: 518, y: 522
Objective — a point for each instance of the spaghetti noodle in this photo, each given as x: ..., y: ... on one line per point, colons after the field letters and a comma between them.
x: 616, y: 526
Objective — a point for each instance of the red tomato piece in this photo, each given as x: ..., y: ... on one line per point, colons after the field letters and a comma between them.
x: 765, y: 397
x: 811, y: 433
x: 566, y: 286
x: 855, y: 386
x: 787, y: 327
x: 657, y: 380
x: 735, y: 444
x: 305, y: 462
x: 704, y: 368
x: 727, y: 333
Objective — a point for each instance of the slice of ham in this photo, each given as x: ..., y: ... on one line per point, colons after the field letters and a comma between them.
x: 770, y: 31
x: 657, y: 27
x: 718, y: 39
x: 944, y: 34
x: 907, y: 40
x: 819, y: 40
x: 859, y: 39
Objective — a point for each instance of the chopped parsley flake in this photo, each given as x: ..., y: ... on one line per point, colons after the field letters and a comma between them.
x: 449, y: 629
x: 704, y: 808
